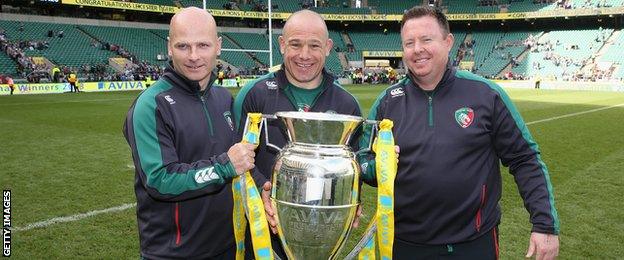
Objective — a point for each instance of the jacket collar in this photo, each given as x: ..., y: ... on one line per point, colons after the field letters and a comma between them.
x: 282, y: 81
x: 179, y: 80
x: 447, y: 78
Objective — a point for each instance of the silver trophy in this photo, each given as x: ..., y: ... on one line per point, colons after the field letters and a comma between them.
x: 315, y: 184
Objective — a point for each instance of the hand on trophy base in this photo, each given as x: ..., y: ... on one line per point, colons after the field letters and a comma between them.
x: 268, y: 207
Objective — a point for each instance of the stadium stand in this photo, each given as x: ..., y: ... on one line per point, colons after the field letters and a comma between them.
x: 496, y: 50
x: 392, y: 7
x: 530, y: 6
x: 240, y: 59
x: 557, y: 55
x: 7, y: 65
x: 81, y: 50
x: 373, y: 40
x: 466, y: 7
x: 277, y: 55
x: 142, y: 44
x: 250, y: 41
x: 613, y: 52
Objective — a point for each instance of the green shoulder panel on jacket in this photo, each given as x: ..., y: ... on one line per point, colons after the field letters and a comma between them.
x: 369, y: 163
x: 242, y: 94
x: 150, y: 154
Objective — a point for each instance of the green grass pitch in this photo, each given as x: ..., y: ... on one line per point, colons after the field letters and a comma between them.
x: 64, y: 154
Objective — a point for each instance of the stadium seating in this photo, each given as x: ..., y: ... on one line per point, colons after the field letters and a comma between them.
x: 393, y: 6
x: 567, y: 56
x: 7, y: 65
x: 240, y: 59
x: 465, y: 7
x: 459, y: 36
x: 73, y: 49
x: 614, y: 52
x: 285, y: 6
x: 160, y: 33
x: 250, y: 41
x: 484, y: 46
x: 529, y: 6
x: 373, y: 40
x: 498, y: 51
x: 145, y: 44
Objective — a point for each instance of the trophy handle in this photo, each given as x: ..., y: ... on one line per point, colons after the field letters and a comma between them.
x: 263, y: 125
x: 266, y: 131
x: 375, y: 126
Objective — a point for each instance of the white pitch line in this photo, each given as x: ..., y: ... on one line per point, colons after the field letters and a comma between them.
x: 74, y: 217
x: 123, y: 207
x: 68, y: 101
x: 573, y: 114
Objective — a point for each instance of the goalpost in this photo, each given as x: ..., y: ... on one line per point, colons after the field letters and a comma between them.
x: 270, y: 49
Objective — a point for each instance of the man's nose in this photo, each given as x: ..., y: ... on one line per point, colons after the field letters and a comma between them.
x: 305, y: 52
x: 193, y: 55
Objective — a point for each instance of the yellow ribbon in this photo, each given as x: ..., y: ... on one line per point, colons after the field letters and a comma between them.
x: 386, y: 168
x: 260, y: 235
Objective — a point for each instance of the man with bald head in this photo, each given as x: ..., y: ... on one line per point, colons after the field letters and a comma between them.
x: 302, y: 84
x: 181, y: 135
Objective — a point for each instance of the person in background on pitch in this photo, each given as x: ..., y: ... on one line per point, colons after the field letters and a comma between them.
x: 9, y: 81
x: 302, y: 84
x: 454, y: 129
x: 181, y: 135
x: 73, y: 79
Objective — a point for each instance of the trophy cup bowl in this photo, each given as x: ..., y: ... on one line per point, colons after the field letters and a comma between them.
x: 315, y: 184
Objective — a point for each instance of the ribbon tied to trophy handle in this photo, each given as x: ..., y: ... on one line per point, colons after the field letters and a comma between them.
x: 263, y: 126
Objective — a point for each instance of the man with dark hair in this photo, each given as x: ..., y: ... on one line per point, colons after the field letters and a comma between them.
x: 454, y: 129
x: 302, y: 84
x: 181, y: 138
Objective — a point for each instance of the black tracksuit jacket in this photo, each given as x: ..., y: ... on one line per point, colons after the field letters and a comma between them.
x: 179, y: 137
x: 452, y: 140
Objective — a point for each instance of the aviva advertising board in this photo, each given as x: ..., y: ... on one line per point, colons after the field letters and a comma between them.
x: 104, y: 86
x: 51, y: 88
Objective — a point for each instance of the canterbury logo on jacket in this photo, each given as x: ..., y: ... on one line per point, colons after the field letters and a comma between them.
x: 452, y: 141
x: 179, y: 137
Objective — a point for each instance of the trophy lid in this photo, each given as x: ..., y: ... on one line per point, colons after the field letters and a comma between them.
x: 319, y: 128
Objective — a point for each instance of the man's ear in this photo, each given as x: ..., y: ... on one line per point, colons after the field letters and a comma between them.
x: 330, y: 45
x: 282, y: 44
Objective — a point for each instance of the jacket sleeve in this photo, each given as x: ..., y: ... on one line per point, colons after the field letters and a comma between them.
x: 163, y: 176
x: 516, y: 148
x: 367, y: 160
